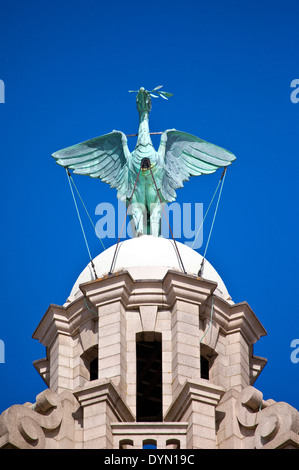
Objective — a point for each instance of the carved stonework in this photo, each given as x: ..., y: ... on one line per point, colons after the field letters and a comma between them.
x: 273, y: 424
x: 205, y: 370
x: 41, y: 425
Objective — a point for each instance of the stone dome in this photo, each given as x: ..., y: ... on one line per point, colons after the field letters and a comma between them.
x: 148, y: 257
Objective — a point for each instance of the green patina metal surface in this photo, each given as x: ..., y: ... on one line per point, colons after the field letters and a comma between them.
x: 179, y: 156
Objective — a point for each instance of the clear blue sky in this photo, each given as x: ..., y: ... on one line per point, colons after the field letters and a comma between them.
x: 67, y: 68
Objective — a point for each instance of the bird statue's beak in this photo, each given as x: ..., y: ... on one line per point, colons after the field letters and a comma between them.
x: 144, y: 102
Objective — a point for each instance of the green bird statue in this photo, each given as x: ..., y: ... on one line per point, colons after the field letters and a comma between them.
x: 145, y: 179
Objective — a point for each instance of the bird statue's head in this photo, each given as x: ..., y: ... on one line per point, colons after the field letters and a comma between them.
x: 144, y: 102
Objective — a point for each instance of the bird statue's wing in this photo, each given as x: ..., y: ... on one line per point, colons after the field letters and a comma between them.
x: 103, y: 157
x: 186, y: 155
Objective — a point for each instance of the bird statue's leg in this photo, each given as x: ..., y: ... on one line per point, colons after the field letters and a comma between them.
x: 155, y: 219
x: 137, y: 212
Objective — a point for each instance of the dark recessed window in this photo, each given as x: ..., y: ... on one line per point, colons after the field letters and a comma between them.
x: 149, y: 380
x: 93, y: 369
x: 204, y: 368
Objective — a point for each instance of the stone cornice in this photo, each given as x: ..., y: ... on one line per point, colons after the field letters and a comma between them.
x: 185, y: 287
x: 152, y: 427
x: 243, y: 319
x: 103, y: 390
x: 197, y: 390
x: 114, y: 288
x: 234, y: 317
x: 120, y: 287
x: 62, y: 320
x: 174, y: 286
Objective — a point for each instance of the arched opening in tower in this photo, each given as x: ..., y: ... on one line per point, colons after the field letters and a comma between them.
x: 149, y: 377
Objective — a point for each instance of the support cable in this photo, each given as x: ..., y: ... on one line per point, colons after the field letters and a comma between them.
x: 213, y: 221
x: 151, y: 133
x: 88, y: 308
x: 70, y: 176
x: 83, y: 232
x: 206, y: 213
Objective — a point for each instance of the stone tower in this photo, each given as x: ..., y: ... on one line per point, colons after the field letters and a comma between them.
x: 150, y: 353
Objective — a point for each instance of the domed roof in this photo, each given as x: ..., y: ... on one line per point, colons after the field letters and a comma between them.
x: 148, y: 257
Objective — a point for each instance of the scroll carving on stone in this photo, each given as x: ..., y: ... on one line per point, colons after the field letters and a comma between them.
x: 275, y: 424
x: 26, y: 426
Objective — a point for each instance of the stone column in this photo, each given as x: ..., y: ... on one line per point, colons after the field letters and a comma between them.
x: 61, y: 354
x: 228, y: 433
x: 185, y: 343
x: 237, y: 352
x: 195, y: 403
x: 102, y: 406
x: 112, y: 344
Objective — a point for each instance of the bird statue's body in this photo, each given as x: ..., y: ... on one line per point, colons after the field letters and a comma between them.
x: 145, y: 179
